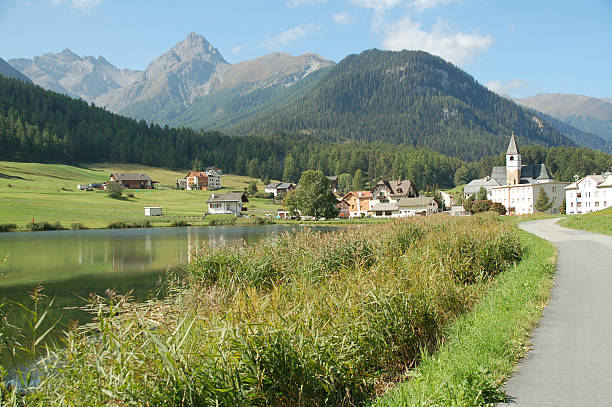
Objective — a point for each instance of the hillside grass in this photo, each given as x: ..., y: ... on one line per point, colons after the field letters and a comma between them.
x: 598, y: 222
x: 482, y: 347
x: 306, y: 319
x: 48, y: 192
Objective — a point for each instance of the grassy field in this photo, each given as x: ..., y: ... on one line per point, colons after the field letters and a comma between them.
x: 598, y: 222
x: 48, y: 192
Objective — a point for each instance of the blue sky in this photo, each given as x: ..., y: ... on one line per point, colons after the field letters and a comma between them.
x: 516, y: 47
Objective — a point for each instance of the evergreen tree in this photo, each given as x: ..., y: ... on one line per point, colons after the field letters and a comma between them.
x: 543, y: 202
x: 359, y: 180
x: 345, y: 183
x: 482, y: 193
x: 289, y: 171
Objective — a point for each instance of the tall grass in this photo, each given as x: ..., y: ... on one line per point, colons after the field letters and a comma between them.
x: 306, y: 319
x: 129, y: 224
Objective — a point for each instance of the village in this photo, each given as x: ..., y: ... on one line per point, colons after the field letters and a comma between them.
x: 513, y: 189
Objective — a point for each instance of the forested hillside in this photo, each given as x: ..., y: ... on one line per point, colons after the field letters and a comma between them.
x: 43, y: 126
x: 408, y: 97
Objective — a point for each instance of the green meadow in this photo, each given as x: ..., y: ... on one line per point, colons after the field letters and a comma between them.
x: 48, y: 192
x: 598, y: 222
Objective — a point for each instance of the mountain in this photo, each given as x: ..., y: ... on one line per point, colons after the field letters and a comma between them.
x: 80, y: 77
x: 592, y: 115
x: 174, y: 87
x: 7, y: 70
x: 407, y: 97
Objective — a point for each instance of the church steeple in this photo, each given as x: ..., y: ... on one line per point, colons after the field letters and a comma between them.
x: 513, y: 163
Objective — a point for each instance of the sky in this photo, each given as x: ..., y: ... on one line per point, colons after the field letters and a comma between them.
x: 515, y: 47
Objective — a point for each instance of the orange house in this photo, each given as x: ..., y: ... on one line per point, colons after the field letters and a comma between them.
x: 358, y: 203
x: 197, y: 180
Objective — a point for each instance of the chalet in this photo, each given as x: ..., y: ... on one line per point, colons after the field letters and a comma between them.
x: 229, y: 203
x: 279, y: 188
x: 391, y: 191
x: 197, y: 180
x: 589, y: 194
x: 134, y: 180
x: 384, y: 210
x: 358, y: 202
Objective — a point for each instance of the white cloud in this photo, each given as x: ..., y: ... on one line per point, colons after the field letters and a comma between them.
x: 85, y: 6
x: 421, y: 5
x: 456, y: 47
x: 342, y: 18
x: 288, y: 36
x: 377, y: 5
x: 509, y: 88
x: 296, y: 3
x: 237, y: 49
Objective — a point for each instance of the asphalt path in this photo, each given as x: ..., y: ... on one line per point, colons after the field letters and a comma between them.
x: 570, y: 363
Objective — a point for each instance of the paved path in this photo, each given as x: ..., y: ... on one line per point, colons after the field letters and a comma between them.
x: 571, y: 360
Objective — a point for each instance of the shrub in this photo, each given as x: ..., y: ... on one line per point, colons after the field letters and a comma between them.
x: 114, y: 190
x: 43, y: 226
x: 129, y: 224
x: 7, y: 227
x: 264, y: 195
x: 77, y: 226
x: 180, y: 223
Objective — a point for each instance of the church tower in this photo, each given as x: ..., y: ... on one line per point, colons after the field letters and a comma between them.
x: 513, y: 163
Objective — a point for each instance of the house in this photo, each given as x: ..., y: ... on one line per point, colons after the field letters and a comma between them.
x: 358, y: 203
x: 458, y: 210
x: 197, y: 180
x: 333, y: 181
x: 343, y: 208
x: 214, y: 177
x: 229, y: 203
x: 384, y: 210
x: 136, y: 180
x: 589, y: 194
x: 473, y: 187
x: 520, y: 185
x: 391, y: 191
x: 420, y: 206
x: 279, y: 188
x: 448, y: 200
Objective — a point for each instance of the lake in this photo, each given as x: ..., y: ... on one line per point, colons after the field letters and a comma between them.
x: 72, y: 264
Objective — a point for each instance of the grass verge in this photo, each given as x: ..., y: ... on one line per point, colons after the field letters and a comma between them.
x: 483, y: 346
x: 598, y: 222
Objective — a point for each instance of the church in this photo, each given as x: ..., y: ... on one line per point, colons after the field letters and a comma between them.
x: 516, y: 186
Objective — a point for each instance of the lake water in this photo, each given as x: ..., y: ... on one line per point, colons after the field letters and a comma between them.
x: 72, y: 264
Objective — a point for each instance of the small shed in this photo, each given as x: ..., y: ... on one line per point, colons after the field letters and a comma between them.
x: 153, y: 211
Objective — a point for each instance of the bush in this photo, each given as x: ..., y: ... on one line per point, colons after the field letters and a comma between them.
x: 77, y: 226
x: 7, y: 227
x: 43, y: 226
x: 130, y: 195
x: 129, y: 224
x: 264, y: 195
x: 180, y: 223
x: 114, y: 190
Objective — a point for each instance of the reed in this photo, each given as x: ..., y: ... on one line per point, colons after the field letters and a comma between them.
x: 303, y: 319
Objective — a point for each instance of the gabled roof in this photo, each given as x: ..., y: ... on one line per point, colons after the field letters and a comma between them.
x: 512, y: 148
x: 130, y: 176
x: 397, y: 188
x: 359, y: 194
x: 530, y: 174
x: 273, y: 184
x: 420, y: 202
x: 386, y: 206
x: 228, y: 197
x: 199, y: 174
x: 602, y: 180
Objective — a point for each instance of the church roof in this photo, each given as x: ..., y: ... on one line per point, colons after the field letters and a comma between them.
x: 530, y: 174
x: 512, y: 148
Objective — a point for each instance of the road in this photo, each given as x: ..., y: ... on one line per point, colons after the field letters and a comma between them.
x: 570, y: 363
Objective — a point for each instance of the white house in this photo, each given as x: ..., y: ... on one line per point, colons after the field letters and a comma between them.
x: 279, y: 188
x: 391, y: 191
x: 421, y: 206
x: 153, y: 211
x: 520, y: 185
x: 230, y: 203
x: 214, y: 178
x: 589, y: 194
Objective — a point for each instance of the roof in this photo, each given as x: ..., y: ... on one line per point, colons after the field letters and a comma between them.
x: 420, y: 202
x: 273, y: 184
x: 530, y: 174
x: 399, y: 187
x: 603, y: 180
x: 199, y: 174
x: 512, y: 148
x: 474, y: 185
x: 384, y: 207
x: 130, y: 176
x: 228, y: 197
x: 332, y: 178
x: 359, y: 194
x: 280, y: 185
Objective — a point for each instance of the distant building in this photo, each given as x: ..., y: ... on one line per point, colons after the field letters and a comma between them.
x: 589, y: 194
x: 520, y: 185
x: 153, y: 211
x: 279, y: 188
x: 391, y: 191
x: 343, y: 208
x: 197, y: 180
x: 458, y: 210
x: 214, y: 177
x: 133, y: 180
x: 420, y: 206
x: 333, y: 181
x: 358, y: 203
x: 229, y: 203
